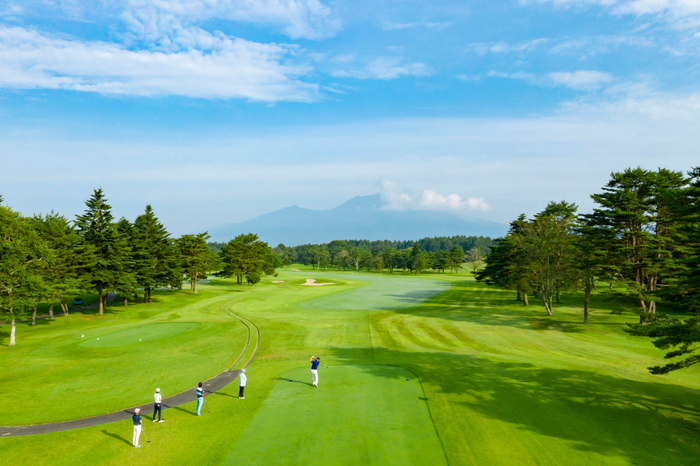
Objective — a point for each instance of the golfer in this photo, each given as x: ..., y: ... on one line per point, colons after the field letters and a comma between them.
x: 242, y: 381
x: 157, y: 406
x: 200, y: 398
x: 314, y: 370
x: 137, y: 427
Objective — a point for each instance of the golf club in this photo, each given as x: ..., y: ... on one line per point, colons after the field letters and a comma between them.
x: 207, y: 404
x: 326, y: 366
x: 144, y: 435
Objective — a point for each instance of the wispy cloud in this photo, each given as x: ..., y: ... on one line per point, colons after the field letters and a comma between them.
x: 236, y: 68
x: 675, y: 11
x: 482, y: 48
x: 426, y: 24
x: 581, y: 80
x: 386, y: 68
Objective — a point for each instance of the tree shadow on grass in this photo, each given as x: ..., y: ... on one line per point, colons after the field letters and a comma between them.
x: 116, y: 436
x: 497, y: 307
x: 647, y: 422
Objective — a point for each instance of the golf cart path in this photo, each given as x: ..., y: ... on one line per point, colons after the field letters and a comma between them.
x: 210, y: 386
x: 110, y: 298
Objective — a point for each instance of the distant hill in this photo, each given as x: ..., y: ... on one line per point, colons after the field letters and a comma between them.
x: 359, y: 218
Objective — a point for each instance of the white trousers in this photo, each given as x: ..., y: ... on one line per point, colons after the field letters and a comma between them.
x: 137, y: 433
x: 314, y: 377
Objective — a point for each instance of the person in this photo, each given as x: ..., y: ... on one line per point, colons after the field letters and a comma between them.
x: 137, y: 427
x: 242, y: 379
x: 314, y: 370
x: 157, y: 406
x: 200, y: 398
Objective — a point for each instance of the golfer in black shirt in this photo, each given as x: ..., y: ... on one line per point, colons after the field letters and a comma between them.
x: 137, y: 427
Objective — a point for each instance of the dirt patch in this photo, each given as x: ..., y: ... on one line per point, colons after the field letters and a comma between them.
x: 312, y: 282
x: 277, y: 281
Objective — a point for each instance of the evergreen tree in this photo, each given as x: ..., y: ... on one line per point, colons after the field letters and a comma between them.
x: 245, y: 255
x: 635, y: 207
x: 65, y: 274
x: 23, y: 254
x: 156, y: 256
x: 456, y: 256
x: 196, y: 259
x: 682, y: 338
x: 96, y: 228
x: 129, y: 246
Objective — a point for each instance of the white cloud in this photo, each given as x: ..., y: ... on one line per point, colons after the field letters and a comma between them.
x: 482, y: 48
x: 674, y: 10
x: 581, y: 80
x: 298, y: 18
x: 397, y: 197
x: 386, y: 68
x: 234, y: 68
x: 427, y: 24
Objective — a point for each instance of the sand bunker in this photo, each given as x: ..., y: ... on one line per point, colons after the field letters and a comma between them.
x: 294, y: 270
x: 277, y: 281
x: 312, y: 282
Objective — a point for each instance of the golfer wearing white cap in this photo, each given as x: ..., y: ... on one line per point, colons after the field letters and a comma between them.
x: 137, y: 427
x: 157, y: 406
x: 242, y: 381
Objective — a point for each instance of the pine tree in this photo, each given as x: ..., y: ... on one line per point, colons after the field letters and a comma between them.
x: 244, y: 255
x: 23, y: 254
x: 96, y: 228
x: 65, y: 273
x: 635, y: 207
x: 195, y: 258
x: 157, y: 262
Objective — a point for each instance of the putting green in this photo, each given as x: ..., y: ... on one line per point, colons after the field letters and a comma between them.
x: 381, y: 293
x: 359, y: 415
x: 140, y: 334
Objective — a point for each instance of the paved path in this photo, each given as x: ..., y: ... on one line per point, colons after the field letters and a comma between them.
x: 210, y: 386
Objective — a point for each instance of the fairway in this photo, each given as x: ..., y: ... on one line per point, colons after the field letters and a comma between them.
x: 512, y: 385
x: 378, y: 292
x: 140, y: 334
x: 358, y: 415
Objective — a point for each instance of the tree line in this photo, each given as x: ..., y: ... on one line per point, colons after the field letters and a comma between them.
x: 641, y: 239
x: 50, y: 259
x: 439, y: 254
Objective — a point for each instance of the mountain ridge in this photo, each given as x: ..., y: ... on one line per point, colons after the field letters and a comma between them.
x: 361, y: 217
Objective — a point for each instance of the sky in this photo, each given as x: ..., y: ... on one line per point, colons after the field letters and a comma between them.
x: 217, y: 111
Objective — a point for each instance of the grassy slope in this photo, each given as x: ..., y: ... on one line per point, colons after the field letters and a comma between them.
x: 512, y: 386
x: 68, y: 378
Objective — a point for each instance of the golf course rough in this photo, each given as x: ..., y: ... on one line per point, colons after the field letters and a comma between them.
x: 143, y: 333
x: 366, y: 414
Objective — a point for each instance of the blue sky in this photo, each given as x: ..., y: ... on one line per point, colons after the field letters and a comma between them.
x: 216, y: 111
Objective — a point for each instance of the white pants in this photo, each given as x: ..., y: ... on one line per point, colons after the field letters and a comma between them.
x: 137, y: 433
x: 314, y: 377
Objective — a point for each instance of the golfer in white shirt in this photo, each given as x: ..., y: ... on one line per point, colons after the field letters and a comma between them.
x: 157, y: 406
x: 242, y: 381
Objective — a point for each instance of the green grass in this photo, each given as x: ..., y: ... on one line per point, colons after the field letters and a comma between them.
x: 381, y: 419
x: 140, y: 334
x: 512, y: 385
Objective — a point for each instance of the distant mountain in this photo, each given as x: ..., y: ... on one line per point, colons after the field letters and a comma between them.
x: 359, y: 218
